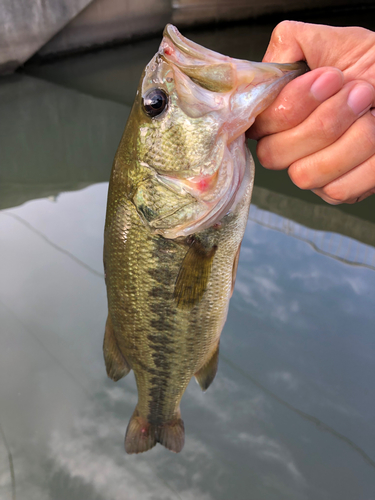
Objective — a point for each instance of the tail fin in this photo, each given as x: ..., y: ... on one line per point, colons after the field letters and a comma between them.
x: 172, y: 434
x: 142, y: 436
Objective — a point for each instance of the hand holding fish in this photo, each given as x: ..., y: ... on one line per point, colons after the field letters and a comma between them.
x: 322, y: 125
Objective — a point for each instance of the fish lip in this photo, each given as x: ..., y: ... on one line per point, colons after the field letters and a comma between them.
x: 210, y: 70
x: 189, y: 47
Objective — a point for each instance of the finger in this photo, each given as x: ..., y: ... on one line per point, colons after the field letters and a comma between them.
x: 319, y: 45
x: 354, y: 147
x: 321, y: 129
x: 352, y: 187
x: 296, y: 101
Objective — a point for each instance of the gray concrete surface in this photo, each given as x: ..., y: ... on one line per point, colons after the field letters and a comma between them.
x: 106, y: 21
x: 26, y: 25
x: 58, y: 26
x: 190, y: 12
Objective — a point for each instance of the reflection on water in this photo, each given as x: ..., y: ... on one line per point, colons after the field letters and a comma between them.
x: 53, y: 139
x: 10, y: 461
x: 47, y: 240
x: 291, y: 412
x: 322, y: 426
x: 290, y: 409
x: 334, y: 245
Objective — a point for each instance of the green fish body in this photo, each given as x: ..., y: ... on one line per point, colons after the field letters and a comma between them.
x: 178, y: 203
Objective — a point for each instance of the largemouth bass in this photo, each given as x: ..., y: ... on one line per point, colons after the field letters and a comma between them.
x: 178, y: 203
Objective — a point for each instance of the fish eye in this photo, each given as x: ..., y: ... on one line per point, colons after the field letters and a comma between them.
x: 155, y: 102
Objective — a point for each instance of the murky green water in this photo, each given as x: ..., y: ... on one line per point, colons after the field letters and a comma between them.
x: 291, y: 413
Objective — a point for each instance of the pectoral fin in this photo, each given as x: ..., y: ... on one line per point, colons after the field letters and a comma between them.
x: 234, y: 270
x: 206, y: 374
x: 193, y: 275
x: 115, y: 362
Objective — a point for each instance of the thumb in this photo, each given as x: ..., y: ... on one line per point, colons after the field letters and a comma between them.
x: 293, y: 41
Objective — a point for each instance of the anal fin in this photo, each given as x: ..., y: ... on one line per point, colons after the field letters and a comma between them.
x: 206, y: 374
x: 115, y: 362
x: 194, y: 274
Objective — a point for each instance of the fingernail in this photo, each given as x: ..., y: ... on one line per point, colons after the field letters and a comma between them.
x: 327, y: 84
x: 373, y: 111
x: 360, y: 98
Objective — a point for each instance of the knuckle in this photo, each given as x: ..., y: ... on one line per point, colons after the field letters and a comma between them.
x: 329, y: 127
x: 281, y: 28
x: 336, y: 191
x: 264, y: 154
x: 368, y: 134
x: 371, y: 163
x: 300, y: 176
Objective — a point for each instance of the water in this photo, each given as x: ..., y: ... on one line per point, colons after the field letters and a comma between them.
x: 291, y: 413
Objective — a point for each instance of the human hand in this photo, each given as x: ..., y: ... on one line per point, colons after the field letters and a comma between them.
x: 322, y: 126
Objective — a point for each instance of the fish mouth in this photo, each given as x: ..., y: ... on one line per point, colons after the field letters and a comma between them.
x: 235, y: 91
x: 217, y: 72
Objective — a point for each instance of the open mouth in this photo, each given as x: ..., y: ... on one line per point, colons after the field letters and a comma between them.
x: 216, y: 72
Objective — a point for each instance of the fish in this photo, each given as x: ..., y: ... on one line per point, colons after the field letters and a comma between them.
x: 178, y: 203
